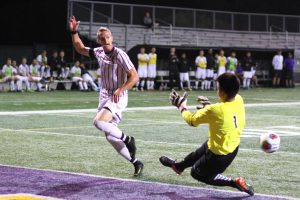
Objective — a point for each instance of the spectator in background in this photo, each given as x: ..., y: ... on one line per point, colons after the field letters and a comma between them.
x: 247, y: 64
x: 210, y: 68
x: 142, y: 68
x: 7, y: 71
x: 200, y: 63
x: 76, y: 77
x: 239, y: 71
x: 65, y: 70
x: 289, y: 63
x: 55, y: 69
x: 232, y: 63
x: 43, y: 62
x: 216, y: 69
x: 18, y: 80
x: 34, y: 75
x: 147, y: 20
x: 173, y: 69
x: 151, y: 68
x: 87, y: 77
x: 24, y: 73
x: 277, y: 63
x: 184, y: 72
x: 221, y: 63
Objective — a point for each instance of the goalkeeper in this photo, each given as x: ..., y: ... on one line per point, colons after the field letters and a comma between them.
x: 226, y: 121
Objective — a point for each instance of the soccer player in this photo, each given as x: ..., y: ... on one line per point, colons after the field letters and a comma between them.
x: 184, y: 72
x: 34, y: 75
x: 118, y: 75
x: 247, y: 64
x: 142, y: 68
x: 226, y: 121
x: 221, y: 63
x: 209, y: 69
x: 43, y: 62
x: 151, y: 68
x: 7, y: 71
x: 65, y: 70
x: 232, y: 63
x: 201, y: 70
x: 23, y: 73
x: 76, y: 77
x: 277, y: 63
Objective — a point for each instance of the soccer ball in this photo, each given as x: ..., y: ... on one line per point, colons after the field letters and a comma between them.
x: 269, y: 142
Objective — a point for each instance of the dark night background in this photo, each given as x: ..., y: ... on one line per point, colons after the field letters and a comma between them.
x: 44, y: 21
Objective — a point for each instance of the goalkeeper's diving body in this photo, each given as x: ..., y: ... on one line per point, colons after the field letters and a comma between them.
x: 226, y: 121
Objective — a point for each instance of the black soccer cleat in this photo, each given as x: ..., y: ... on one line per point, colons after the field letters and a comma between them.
x: 131, y: 146
x: 138, y: 168
x: 243, y: 186
x: 168, y: 162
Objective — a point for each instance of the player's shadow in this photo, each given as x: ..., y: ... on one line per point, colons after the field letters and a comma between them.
x: 67, y: 190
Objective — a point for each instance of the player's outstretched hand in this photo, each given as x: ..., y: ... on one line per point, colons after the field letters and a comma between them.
x: 178, y: 100
x: 73, y: 24
x: 203, y: 101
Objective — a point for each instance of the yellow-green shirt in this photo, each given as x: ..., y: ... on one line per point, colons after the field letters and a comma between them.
x: 226, y: 122
x: 152, y: 58
x: 142, y: 60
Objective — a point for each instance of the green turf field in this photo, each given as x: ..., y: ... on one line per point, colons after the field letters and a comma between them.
x: 68, y: 141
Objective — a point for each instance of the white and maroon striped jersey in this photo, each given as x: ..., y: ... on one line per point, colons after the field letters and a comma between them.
x: 114, y: 67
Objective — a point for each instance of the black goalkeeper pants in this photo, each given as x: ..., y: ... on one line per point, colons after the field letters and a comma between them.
x: 207, y: 166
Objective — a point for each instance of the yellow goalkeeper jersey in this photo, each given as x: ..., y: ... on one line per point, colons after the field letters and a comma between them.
x: 226, y: 122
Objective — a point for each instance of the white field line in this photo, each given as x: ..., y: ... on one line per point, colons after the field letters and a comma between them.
x: 140, y: 181
x: 143, y: 141
x: 250, y: 105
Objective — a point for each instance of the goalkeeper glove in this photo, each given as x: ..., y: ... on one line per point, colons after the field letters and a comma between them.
x: 203, y: 101
x: 177, y: 100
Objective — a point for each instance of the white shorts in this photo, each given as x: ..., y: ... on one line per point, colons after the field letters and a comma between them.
x: 221, y: 70
x: 231, y: 71
x: 76, y: 79
x: 209, y: 73
x: 115, y: 108
x: 200, y: 73
x: 248, y: 74
x: 34, y: 78
x: 7, y: 78
x: 184, y: 76
x: 142, y: 71
x: 151, y: 71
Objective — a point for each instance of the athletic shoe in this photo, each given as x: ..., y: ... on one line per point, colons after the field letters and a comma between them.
x: 168, y: 162
x: 138, y: 168
x: 131, y: 146
x: 243, y: 186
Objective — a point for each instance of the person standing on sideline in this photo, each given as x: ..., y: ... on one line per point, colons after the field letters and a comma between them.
x: 201, y: 63
x: 151, y: 68
x: 221, y: 63
x: 184, y: 72
x: 289, y: 64
x: 142, y: 68
x: 173, y: 69
x: 232, y: 63
x: 247, y: 64
x: 277, y: 63
x: 118, y: 75
x: 210, y: 69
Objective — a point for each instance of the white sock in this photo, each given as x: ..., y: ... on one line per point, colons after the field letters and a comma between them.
x: 85, y: 87
x: 202, y: 85
x: 196, y: 84
x: 110, y: 129
x: 248, y: 82
x: 152, y: 84
x: 19, y: 85
x: 148, y: 84
x: 142, y: 83
x: 245, y: 83
x: 80, y: 85
x: 119, y: 146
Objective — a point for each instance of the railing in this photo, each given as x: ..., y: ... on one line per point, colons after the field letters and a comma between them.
x: 106, y: 12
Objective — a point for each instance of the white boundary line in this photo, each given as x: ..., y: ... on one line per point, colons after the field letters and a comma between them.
x: 144, y: 141
x: 250, y: 105
x: 140, y: 181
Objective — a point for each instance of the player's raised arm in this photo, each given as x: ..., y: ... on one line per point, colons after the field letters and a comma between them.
x: 77, y: 43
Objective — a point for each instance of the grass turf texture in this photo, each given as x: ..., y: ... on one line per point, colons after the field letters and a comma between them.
x: 69, y: 142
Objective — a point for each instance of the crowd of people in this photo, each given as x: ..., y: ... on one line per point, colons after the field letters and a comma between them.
x: 43, y: 69
x: 207, y: 66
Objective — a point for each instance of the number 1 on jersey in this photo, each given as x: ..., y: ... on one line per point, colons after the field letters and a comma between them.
x: 234, y: 120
